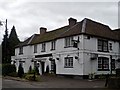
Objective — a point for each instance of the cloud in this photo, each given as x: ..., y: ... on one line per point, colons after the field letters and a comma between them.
x: 29, y: 16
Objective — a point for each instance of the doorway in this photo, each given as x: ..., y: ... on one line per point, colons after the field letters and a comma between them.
x: 42, y: 67
x: 53, y: 66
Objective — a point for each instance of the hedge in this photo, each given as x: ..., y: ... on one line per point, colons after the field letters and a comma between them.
x: 7, y: 69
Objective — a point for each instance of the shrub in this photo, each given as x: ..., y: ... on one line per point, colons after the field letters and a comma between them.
x: 33, y: 71
x: 30, y: 69
x: 7, y: 69
x: 37, y: 70
x: 114, y: 82
x: 102, y: 76
x: 31, y: 77
x: 20, y: 71
x: 13, y: 74
x: 47, y: 69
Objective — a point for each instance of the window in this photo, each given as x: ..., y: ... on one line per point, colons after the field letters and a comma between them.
x: 20, y: 50
x: 103, y: 63
x: 102, y: 45
x: 68, y: 41
x: 35, y: 48
x: 53, y: 45
x: 68, y: 62
x: 113, y: 64
x: 110, y: 46
x: 43, y: 47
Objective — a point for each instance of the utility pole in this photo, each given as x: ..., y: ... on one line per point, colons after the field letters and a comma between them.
x: 5, y: 43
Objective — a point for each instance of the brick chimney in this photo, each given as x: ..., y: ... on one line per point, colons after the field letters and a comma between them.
x: 43, y: 30
x: 72, y: 21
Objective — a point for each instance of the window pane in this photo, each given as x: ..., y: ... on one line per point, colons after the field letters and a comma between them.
x: 105, y: 46
x: 43, y: 46
x: 103, y: 63
x: 35, y: 48
x: 69, y: 62
x: 99, y: 45
x: 68, y: 41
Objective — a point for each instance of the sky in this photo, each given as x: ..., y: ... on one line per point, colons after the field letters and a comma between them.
x: 29, y: 15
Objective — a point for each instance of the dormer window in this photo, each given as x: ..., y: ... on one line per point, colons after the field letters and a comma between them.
x: 68, y: 41
x: 20, y: 50
x: 35, y: 48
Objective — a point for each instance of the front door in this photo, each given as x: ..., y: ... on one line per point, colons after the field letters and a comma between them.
x: 42, y: 67
x: 53, y: 66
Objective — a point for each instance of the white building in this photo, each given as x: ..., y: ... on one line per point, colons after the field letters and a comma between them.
x: 78, y: 49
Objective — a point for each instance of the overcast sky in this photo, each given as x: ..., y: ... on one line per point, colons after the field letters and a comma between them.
x: 28, y: 16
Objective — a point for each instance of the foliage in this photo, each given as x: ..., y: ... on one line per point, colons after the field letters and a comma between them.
x: 20, y: 71
x: 30, y: 69
x: 118, y: 72
x: 8, y: 46
x: 102, y: 76
x: 13, y: 74
x: 47, y: 69
x: 31, y: 77
x: 7, y: 69
x: 114, y: 82
x: 37, y: 70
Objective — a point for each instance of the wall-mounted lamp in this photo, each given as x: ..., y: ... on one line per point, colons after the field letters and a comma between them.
x: 76, y: 57
x: 58, y: 58
x: 50, y: 59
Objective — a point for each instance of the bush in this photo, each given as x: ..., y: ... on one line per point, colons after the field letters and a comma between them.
x: 114, y: 82
x: 30, y: 69
x: 30, y: 77
x: 37, y: 70
x: 7, y: 69
x: 20, y: 71
x: 118, y: 72
x: 13, y: 74
x: 102, y: 76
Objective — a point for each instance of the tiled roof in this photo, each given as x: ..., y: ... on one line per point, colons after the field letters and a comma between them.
x: 117, y: 31
x: 86, y: 26
x: 100, y: 30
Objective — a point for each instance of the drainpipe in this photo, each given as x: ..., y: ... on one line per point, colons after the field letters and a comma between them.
x: 110, y: 64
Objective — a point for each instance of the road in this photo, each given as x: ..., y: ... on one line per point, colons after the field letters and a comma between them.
x: 53, y: 82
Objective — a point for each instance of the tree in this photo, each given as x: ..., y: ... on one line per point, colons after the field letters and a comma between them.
x: 13, y: 41
x: 8, y: 45
x: 5, y: 48
x: 20, y: 71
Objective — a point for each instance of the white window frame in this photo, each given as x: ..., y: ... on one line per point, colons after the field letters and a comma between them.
x: 110, y: 46
x: 35, y: 48
x: 68, y: 62
x: 53, y: 45
x: 43, y: 47
x: 102, y: 45
x: 68, y: 41
x: 20, y: 50
x: 103, y: 64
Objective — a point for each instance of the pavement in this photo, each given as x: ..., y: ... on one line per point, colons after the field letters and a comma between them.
x: 15, y: 78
